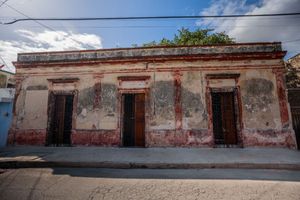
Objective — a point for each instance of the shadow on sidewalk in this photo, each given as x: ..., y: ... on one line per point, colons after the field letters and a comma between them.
x: 231, y: 174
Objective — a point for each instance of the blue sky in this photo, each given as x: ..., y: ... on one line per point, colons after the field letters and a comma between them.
x: 113, y: 33
x: 30, y: 36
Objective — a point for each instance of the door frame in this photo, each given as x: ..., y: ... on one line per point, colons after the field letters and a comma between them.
x: 144, y: 91
x: 51, y: 108
x: 237, y: 111
x: 294, y: 101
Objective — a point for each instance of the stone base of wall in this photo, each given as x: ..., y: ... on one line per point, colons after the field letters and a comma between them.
x: 95, y: 138
x: 27, y: 137
x: 182, y: 138
x: 269, y: 138
x: 158, y: 138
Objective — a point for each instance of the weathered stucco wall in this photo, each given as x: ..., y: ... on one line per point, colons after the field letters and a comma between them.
x: 259, y: 100
x: 162, y: 116
x: 176, y: 113
x: 32, y: 103
x: 193, y: 101
x: 35, y: 111
x: 262, y: 119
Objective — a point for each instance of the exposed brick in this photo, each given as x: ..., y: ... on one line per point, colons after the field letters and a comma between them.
x: 183, y: 138
x: 27, y: 137
x: 95, y: 138
x: 269, y: 138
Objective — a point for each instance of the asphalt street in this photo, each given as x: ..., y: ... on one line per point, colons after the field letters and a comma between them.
x: 93, y: 183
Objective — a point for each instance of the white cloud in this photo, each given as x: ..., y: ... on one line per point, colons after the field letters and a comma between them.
x: 46, y: 41
x: 256, y: 29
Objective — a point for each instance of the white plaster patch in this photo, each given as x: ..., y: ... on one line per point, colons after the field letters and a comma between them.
x: 168, y: 125
x: 64, y: 86
x: 35, y: 115
x: 133, y: 84
x: 219, y: 83
x: 83, y: 112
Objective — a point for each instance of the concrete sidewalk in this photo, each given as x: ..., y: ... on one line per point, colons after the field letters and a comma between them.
x: 155, y: 158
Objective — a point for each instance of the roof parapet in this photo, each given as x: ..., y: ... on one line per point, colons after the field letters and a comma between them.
x: 143, y: 52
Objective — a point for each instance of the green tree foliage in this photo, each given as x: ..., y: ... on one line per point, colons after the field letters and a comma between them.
x: 291, y: 77
x: 197, y: 37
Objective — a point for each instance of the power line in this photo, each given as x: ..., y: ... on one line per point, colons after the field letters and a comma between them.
x: 11, y: 18
x: 148, y: 17
x: 36, y: 21
x: 45, y: 26
x: 291, y: 41
x: 3, y: 3
x: 164, y: 26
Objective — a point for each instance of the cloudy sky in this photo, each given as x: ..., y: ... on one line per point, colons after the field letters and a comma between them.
x: 65, y: 35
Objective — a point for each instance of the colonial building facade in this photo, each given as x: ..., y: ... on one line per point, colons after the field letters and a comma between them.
x: 183, y: 96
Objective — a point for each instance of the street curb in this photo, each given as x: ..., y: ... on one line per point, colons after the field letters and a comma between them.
x: 136, y: 165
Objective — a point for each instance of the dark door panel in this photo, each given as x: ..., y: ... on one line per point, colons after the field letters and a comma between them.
x: 228, y: 118
x: 68, y: 119
x: 294, y: 100
x: 59, y: 116
x: 61, y: 120
x: 133, y: 120
x: 296, y: 124
x: 128, y: 120
x: 224, y: 120
x: 140, y: 120
x: 217, y: 118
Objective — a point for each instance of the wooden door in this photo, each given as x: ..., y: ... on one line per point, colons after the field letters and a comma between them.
x: 217, y: 118
x: 228, y: 118
x: 296, y: 124
x: 140, y: 120
x: 133, y: 120
x: 68, y: 119
x: 59, y: 116
x: 61, y: 121
x: 224, y: 121
x: 128, y: 119
x: 294, y: 100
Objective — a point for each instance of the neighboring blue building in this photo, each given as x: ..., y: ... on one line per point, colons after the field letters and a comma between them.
x: 6, y: 105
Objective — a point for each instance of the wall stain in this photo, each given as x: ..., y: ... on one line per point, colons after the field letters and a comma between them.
x: 258, y: 96
x: 86, y: 99
x: 37, y: 87
x: 109, y: 99
x: 191, y: 103
x: 162, y: 99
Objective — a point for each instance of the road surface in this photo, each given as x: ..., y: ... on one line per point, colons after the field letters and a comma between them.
x: 82, y: 183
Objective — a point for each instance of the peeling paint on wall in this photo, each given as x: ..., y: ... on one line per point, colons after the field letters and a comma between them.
x: 191, y: 103
x: 163, y: 99
x: 162, y: 105
x: 171, y: 138
x: 85, y: 101
x: 20, y: 112
x: 193, y: 106
x: 258, y: 95
x: 259, y: 104
x: 109, y: 99
x: 37, y: 87
x: 177, y: 93
x: 194, y: 113
x: 102, y: 116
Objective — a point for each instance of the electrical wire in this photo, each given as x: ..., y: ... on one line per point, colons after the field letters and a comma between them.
x: 147, y: 17
x: 296, y: 40
x: 162, y: 26
x: 36, y: 21
x: 3, y: 2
